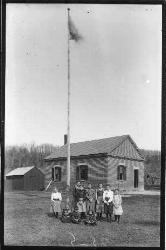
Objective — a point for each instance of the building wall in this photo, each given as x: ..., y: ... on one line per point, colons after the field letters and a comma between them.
x: 14, y: 183
x: 34, y: 180
x: 128, y: 184
x: 48, y: 171
x: 100, y: 170
x: 97, y: 170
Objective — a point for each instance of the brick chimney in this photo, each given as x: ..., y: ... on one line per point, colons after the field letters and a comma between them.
x: 65, y: 139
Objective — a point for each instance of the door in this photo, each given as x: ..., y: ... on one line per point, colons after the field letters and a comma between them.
x: 135, y: 178
x: 56, y: 173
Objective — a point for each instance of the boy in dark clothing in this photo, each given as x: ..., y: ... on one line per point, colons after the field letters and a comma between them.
x: 90, y: 219
x: 66, y: 215
x: 76, y: 217
x: 108, y: 208
x: 78, y: 192
x: 76, y: 187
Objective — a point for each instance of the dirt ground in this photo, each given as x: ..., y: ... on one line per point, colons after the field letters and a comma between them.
x: 28, y: 222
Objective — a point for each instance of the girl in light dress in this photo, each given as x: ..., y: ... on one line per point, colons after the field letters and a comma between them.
x: 117, y: 205
x: 81, y: 204
x: 56, y: 199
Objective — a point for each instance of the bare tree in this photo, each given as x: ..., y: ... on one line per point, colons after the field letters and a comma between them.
x: 27, y: 155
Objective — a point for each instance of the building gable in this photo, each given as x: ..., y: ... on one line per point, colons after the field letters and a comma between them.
x: 127, y: 149
x: 86, y: 148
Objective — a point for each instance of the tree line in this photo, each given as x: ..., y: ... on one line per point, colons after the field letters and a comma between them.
x: 27, y: 155
x: 152, y: 167
x: 152, y: 161
x: 32, y: 154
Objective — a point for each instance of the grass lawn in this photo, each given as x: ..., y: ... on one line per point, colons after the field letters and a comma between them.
x: 28, y: 222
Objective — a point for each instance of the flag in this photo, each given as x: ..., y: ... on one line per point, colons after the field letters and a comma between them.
x: 73, y: 32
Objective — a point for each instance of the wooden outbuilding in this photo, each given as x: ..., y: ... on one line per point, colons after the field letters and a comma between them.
x: 116, y: 161
x: 24, y: 178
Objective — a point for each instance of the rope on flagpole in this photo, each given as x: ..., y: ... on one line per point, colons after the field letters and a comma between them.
x: 68, y: 109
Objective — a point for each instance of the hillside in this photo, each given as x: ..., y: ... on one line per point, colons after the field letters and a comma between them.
x: 152, y: 166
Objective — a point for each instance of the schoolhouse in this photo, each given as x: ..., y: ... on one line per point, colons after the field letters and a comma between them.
x: 115, y: 160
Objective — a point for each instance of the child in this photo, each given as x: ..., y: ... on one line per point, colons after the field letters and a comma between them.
x: 66, y: 214
x: 99, y: 201
x: 78, y: 192
x: 76, y: 218
x: 81, y: 207
x: 117, y: 205
x: 56, y: 199
x: 90, y: 199
x: 90, y: 219
x: 108, y: 204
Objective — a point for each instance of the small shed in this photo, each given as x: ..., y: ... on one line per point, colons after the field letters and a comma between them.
x: 25, y: 178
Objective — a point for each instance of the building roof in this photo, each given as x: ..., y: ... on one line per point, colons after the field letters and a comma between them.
x: 19, y: 171
x: 94, y: 147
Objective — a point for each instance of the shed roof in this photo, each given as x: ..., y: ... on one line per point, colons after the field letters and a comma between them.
x: 93, y: 147
x: 19, y: 171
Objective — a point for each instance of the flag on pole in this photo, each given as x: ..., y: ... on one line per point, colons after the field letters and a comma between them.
x: 73, y: 32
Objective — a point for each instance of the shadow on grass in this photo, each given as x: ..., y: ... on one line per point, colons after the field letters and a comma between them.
x: 147, y: 223
x: 50, y: 215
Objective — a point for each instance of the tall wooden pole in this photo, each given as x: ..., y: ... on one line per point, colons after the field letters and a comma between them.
x: 68, y: 109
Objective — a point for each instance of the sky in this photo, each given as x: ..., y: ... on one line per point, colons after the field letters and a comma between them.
x: 115, y: 73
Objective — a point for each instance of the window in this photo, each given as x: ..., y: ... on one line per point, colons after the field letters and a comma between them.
x: 56, y: 173
x: 82, y: 172
x: 121, y: 173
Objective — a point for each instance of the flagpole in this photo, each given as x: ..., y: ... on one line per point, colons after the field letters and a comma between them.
x: 68, y: 109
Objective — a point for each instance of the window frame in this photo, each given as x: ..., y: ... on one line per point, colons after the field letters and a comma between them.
x: 121, y: 175
x: 59, y: 173
x: 78, y: 172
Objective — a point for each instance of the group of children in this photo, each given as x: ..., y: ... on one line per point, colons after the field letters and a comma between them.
x: 76, y: 217
x: 88, y: 205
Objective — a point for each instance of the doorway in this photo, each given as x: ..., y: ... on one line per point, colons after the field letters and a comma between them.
x: 135, y: 178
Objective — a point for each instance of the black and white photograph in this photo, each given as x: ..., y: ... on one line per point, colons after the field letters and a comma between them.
x: 83, y: 94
